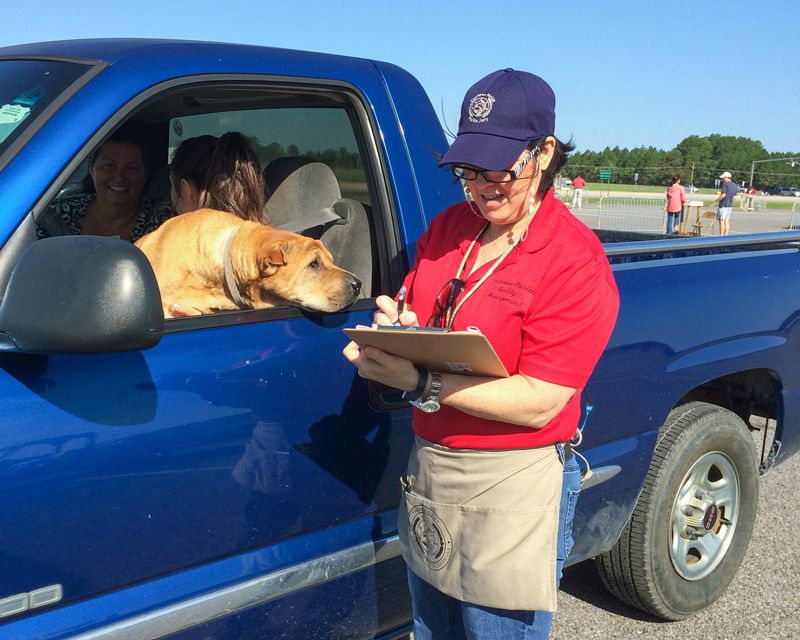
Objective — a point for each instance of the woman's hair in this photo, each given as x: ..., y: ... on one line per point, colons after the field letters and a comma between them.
x: 123, y: 136
x: 560, y: 156
x: 225, y: 171
x: 675, y: 179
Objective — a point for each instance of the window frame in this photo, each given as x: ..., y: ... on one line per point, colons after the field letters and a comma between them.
x: 93, y: 68
x: 366, y: 132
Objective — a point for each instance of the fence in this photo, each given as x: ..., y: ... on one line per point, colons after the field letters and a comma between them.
x: 645, y: 213
x: 623, y: 213
x: 745, y: 202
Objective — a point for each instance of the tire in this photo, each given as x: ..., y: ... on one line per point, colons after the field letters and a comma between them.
x: 692, y: 523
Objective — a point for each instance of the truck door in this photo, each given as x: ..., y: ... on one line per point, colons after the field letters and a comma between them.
x: 234, y: 481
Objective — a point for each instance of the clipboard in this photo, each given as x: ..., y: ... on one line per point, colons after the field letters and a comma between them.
x: 462, y: 352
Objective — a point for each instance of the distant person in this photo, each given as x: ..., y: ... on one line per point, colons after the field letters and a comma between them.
x: 115, y: 204
x: 676, y: 198
x: 218, y: 173
x: 578, y: 184
x: 727, y: 192
x: 741, y: 193
x: 751, y: 198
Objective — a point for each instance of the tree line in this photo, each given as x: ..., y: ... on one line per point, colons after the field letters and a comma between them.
x: 698, y: 160
x: 337, y: 159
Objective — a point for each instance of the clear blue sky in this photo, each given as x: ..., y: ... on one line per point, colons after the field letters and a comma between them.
x: 625, y: 72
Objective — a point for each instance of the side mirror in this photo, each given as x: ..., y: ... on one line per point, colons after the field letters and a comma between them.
x: 81, y: 294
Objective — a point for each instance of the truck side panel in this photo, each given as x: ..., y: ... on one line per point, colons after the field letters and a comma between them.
x: 680, y: 327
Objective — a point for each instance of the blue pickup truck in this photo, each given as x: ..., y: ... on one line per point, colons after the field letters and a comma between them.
x: 228, y: 475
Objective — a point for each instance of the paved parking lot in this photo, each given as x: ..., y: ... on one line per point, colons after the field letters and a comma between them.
x: 762, y: 603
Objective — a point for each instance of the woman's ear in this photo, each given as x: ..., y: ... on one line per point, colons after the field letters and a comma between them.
x: 188, y: 195
x: 546, y: 153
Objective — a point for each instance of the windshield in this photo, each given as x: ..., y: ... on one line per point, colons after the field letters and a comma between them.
x: 27, y: 87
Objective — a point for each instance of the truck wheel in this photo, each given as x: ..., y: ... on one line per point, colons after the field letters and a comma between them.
x: 692, y: 522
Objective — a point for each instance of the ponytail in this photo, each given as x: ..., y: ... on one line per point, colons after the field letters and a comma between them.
x: 225, y: 171
x: 233, y: 180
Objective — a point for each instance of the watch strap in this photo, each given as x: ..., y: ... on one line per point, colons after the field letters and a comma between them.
x: 436, y: 385
x: 422, y: 382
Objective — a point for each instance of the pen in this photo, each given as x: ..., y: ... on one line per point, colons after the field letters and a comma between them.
x: 401, y: 303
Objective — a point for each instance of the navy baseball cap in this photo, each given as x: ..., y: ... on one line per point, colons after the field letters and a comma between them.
x: 501, y: 114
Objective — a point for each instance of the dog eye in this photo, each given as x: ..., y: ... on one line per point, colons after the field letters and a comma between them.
x: 316, y: 264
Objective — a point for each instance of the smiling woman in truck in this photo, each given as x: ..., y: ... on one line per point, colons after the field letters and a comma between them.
x: 118, y: 171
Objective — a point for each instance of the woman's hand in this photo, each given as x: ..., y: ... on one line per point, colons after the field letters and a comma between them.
x: 176, y: 310
x: 387, y: 314
x: 377, y: 365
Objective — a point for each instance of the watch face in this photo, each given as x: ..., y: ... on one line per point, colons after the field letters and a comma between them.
x: 430, y: 405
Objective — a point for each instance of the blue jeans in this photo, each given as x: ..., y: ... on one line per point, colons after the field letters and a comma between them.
x: 440, y: 617
x: 672, y: 221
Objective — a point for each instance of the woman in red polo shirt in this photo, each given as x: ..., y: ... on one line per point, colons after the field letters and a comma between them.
x: 488, y: 499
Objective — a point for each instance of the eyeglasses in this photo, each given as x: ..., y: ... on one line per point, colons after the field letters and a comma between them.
x: 444, y: 303
x: 502, y: 175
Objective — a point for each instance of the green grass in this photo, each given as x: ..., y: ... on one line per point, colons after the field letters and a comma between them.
x: 643, y: 188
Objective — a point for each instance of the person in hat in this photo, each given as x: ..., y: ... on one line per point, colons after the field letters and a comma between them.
x: 488, y: 498
x: 724, y: 201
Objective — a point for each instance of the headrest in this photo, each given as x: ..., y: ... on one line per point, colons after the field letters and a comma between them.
x: 298, y: 187
x: 159, y: 187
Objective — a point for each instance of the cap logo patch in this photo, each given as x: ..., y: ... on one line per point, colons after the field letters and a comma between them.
x: 480, y: 107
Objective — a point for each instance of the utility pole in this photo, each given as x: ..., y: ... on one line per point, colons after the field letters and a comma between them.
x: 691, y: 180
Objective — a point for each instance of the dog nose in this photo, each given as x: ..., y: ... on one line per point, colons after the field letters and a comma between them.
x: 355, y: 283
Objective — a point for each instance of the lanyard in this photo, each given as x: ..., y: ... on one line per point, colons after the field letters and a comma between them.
x: 486, y: 275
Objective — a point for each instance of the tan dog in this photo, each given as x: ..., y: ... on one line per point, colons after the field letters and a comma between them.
x: 207, y: 261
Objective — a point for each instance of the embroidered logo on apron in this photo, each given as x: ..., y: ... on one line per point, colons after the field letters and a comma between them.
x: 430, y: 537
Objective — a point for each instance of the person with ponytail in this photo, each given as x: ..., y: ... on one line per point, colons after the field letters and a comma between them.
x: 217, y: 173
x: 488, y: 498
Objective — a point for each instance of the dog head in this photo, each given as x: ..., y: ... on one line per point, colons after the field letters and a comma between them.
x: 300, y: 271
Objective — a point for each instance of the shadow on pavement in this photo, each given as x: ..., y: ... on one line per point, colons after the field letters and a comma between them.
x: 582, y: 582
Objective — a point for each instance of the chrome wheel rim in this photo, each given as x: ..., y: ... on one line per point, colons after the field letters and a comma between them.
x: 704, y: 516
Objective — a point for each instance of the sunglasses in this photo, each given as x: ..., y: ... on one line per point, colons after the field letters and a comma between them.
x: 502, y: 175
x: 444, y: 303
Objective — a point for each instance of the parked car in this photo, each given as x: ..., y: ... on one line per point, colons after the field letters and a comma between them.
x: 230, y: 475
x: 782, y: 191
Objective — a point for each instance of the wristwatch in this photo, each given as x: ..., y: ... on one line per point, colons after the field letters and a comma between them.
x: 431, y: 404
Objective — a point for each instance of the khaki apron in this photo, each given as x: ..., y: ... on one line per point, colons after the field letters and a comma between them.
x: 482, y: 525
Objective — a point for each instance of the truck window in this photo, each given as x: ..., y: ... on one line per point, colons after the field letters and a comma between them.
x: 28, y: 87
x: 311, y: 155
x: 321, y: 134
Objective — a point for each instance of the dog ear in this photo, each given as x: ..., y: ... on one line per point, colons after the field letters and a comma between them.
x: 272, y: 258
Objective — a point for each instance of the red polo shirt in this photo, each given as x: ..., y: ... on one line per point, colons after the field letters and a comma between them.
x: 548, y: 310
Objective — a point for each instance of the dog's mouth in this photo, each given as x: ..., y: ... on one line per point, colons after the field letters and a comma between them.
x: 331, y: 304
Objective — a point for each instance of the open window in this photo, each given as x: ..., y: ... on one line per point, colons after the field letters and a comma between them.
x: 313, y: 150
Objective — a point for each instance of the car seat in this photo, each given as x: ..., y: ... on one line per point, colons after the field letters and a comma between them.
x: 303, y: 196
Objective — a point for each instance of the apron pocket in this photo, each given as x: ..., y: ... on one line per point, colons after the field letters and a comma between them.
x: 502, y: 558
